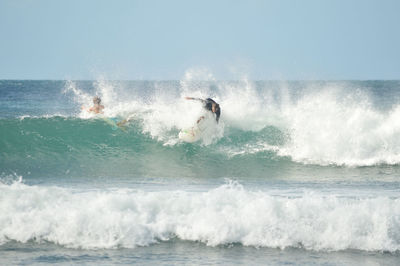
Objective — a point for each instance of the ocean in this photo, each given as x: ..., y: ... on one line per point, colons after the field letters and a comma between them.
x: 294, y: 173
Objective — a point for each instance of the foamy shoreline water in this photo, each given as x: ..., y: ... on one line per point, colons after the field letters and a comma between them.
x: 225, y: 215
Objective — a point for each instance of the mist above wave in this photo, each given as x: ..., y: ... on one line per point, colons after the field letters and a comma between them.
x: 323, y: 123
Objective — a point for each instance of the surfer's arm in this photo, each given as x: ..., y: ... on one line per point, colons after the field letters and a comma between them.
x: 201, y: 117
x: 87, y: 109
x: 195, y: 99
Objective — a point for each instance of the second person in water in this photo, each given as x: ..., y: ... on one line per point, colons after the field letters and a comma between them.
x: 97, y: 107
x: 210, y: 105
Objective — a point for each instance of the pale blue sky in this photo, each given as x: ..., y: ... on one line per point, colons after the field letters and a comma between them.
x: 149, y: 39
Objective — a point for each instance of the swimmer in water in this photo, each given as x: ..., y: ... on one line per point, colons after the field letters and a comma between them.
x: 97, y: 107
x: 210, y: 105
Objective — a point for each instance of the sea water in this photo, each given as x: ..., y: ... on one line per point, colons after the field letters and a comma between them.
x: 298, y: 172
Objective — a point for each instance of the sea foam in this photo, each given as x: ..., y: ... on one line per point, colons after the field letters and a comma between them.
x: 227, y: 214
x: 334, y: 126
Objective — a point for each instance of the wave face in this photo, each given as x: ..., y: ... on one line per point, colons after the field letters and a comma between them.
x: 60, y: 146
x: 127, y: 218
x: 262, y: 124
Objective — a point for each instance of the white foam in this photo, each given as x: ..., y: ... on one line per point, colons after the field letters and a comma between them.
x: 227, y: 214
x: 334, y: 126
x: 251, y: 148
x: 247, y: 109
x: 325, y: 124
x: 47, y: 116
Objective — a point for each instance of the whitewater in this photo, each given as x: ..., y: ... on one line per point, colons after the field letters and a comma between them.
x: 295, y: 172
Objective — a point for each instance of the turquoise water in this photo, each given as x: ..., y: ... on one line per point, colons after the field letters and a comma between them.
x: 294, y: 173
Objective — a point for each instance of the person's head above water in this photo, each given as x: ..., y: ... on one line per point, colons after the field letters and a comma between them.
x: 96, y: 100
x: 97, y: 108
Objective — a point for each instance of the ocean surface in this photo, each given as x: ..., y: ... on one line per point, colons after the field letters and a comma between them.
x: 295, y: 173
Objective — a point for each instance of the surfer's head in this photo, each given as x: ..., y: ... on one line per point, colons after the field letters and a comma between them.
x: 96, y: 100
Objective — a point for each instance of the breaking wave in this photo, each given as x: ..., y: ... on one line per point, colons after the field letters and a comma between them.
x: 228, y: 214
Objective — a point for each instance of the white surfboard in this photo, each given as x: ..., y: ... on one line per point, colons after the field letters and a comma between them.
x: 190, y: 135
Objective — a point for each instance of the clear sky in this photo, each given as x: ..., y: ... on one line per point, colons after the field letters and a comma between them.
x: 149, y: 39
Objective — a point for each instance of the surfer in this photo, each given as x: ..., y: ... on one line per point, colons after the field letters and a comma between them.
x: 210, y: 105
x: 97, y: 107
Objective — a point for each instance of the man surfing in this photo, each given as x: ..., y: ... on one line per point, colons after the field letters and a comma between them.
x: 210, y: 105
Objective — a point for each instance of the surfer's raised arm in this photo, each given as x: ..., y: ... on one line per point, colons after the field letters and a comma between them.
x: 195, y: 99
